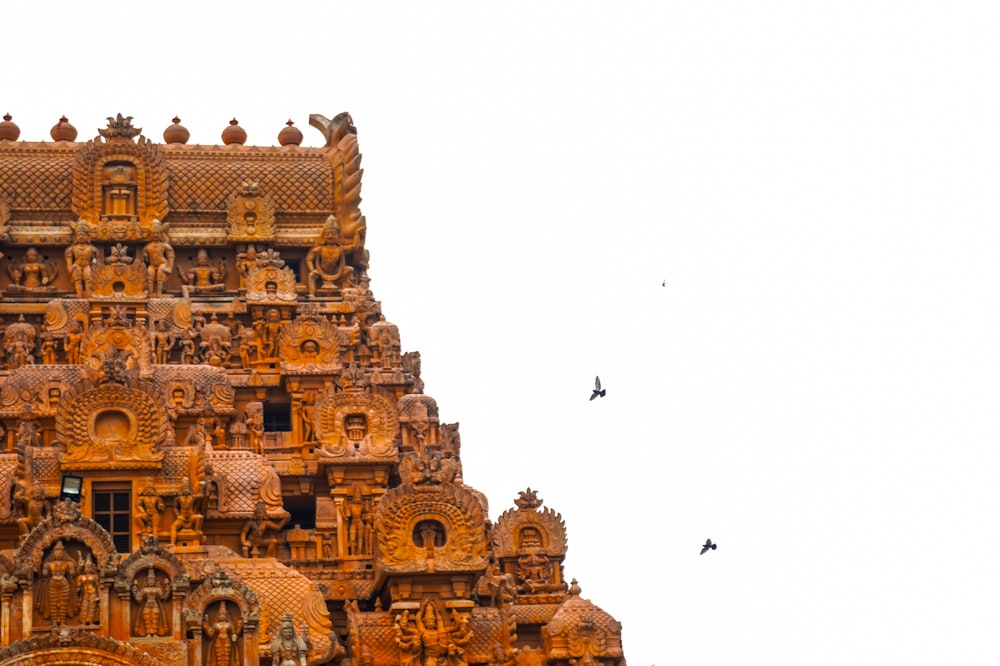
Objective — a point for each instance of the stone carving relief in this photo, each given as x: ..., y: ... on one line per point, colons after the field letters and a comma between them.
x: 270, y: 281
x: 326, y: 262
x: 204, y: 276
x: 250, y: 215
x: 309, y: 343
x: 32, y: 273
x: 120, y: 182
x: 430, y: 640
x: 119, y: 276
x: 532, y: 544
x: 355, y: 424
x: 439, y: 528
x: 19, y: 340
x: 158, y: 258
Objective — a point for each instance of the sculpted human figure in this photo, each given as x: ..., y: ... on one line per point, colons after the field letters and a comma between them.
x: 72, y: 342
x: 49, y: 350
x: 440, y: 645
x: 203, y: 276
x: 533, y: 567
x: 57, y: 590
x: 31, y: 273
x: 267, y: 330
x: 187, y: 518
x: 36, y: 509
x: 255, y: 537
x: 288, y: 649
x: 408, y: 639
x: 158, y: 255
x: 163, y: 342
x: 81, y: 257
x: 223, y: 648
x: 89, y: 589
x: 149, y: 510
x: 151, y: 619
x: 326, y: 262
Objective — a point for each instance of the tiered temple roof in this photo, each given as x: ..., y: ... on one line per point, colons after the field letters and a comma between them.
x: 215, y: 450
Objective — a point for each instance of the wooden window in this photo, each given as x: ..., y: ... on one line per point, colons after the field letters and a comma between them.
x: 112, y: 506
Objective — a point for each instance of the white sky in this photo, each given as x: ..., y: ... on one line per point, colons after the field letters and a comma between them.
x: 816, y: 387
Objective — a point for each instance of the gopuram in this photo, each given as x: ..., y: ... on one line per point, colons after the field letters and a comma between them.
x: 215, y: 451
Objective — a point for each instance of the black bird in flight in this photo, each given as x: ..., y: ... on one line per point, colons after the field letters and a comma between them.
x: 664, y: 283
x: 708, y: 546
x: 598, y: 391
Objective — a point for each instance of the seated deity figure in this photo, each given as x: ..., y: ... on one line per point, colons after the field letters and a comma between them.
x: 327, y: 261
x: 187, y: 518
x: 158, y: 255
x: 32, y: 273
x: 81, y: 257
x: 203, y: 276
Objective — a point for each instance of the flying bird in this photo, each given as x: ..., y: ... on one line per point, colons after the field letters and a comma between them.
x: 664, y: 283
x: 708, y: 546
x: 598, y: 391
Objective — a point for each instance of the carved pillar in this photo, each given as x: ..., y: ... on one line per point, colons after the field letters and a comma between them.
x: 177, y: 604
x: 341, y: 528
x: 196, y: 643
x: 27, y: 616
x: 7, y: 588
x: 125, y: 599
x: 105, y: 620
x: 249, y: 640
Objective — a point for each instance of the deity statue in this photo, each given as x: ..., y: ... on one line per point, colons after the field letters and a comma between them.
x: 440, y: 645
x: 352, y: 514
x: 189, y: 350
x: 19, y: 343
x: 187, y: 518
x: 254, y: 536
x: 223, y: 647
x: 408, y: 640
x: 327, y: 262
x: 81, y: 257
x: 148, y: 511
x: 158, y: 255
x: 151, y: 618
x: 89, y: 588
x: 245, y: 262
x: 27, y: 434
x: 534, y: 570
x: 32, y: 273
x: 203, y: 276
x: 288, y: 649
x: 268, y: 329
x: 49, y: 350
x: 74, y: 338
x: 254, y: 416
x: 163, y: 342
x: 36, y: 509
x: 56, y: 598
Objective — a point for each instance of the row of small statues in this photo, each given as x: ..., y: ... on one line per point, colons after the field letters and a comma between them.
x: 326, y: 263
x: 211, y: 344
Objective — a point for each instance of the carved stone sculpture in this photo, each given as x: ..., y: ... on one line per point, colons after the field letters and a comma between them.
x: 151, y: 617
x: 288, y: 649
x: 158, y: 256
x: 326, y: 261
x: 81, y: 257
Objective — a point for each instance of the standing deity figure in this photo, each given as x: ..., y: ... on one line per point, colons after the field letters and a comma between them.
x: 151, y: 620
x: 203, y: 276
x: 268, y: 329
x: 408, y: 639
x: 287, y: 649
x: 74, y: 338
x: 57, y: 590
x: 81, y: 257
x: 158, y: 255
x: 254, y: 416
x: 187, y: 518
x: 223, y: 648
x: 327, y: 262
x: 89, y: 588
x: 148, y: 511
x: 352, y: 514
x: 163, y: 342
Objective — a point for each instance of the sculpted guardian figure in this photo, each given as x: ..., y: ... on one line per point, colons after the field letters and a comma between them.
x: 327, y: 262
x: 158, y: 255
x: 81, y: 257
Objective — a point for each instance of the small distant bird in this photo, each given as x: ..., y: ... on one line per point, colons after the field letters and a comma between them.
x: 598, y: 391
x: 708, y: 546
x: 664, y: 283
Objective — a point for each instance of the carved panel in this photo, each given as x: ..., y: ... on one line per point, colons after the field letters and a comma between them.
x: 355, y: 424
x: 250, y: 215
x: 408, y: 523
